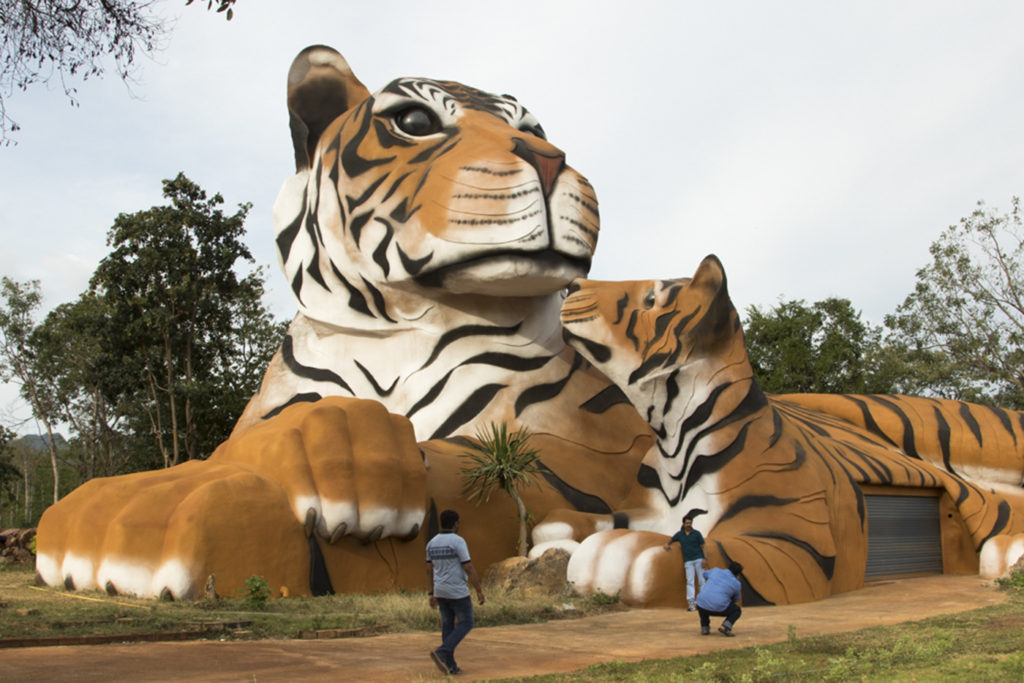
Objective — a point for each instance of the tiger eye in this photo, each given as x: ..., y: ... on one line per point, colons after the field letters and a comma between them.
x: 649, y: 300
x: 417, y: 121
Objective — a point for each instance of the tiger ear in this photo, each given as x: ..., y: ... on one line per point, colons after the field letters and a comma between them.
x: 321, y: 87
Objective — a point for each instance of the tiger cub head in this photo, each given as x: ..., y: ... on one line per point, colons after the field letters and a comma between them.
x: 420, y: 190
x: 668, y: 344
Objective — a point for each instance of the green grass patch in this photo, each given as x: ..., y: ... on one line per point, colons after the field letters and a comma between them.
x: 986, y: 644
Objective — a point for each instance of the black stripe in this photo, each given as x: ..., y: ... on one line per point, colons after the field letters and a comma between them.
x: 1004, y: 419
x: 544, y: 392
x: 355, y: 202
x: 373, y: 381
x: 452, y: 336
x: 380, y: 253
x: 469, y: 409
x: 429, y: 397
x: 297, y: 285
x: 378, y: 300
x: 1002, y: 518
x: 605, y: 399
x: 286, y: 238
x: 311, y: 397
x: 508, y: 361
x: 909, y: 442
x: 620, y: 307
x: 315, y: 374
x: 314, y: 271
x: 943, y: 434
x: 826, y: 563
x: 356, y: 227
x: 584, y: 502
x: 353, y: 164
x: 356, y: 300
x: 411, y: 265
x: 972, y: 424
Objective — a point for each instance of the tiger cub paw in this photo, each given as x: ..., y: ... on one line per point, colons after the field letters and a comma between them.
x: 630, y: 564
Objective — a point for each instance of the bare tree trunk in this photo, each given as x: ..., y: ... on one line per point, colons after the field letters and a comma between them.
x: 156, y: 423
x: 24, y: 474
x: 191, y: 445
x: 522, y: 524
x: 175, y: 446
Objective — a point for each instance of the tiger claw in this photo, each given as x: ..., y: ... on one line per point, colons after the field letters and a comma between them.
x: 338, y: 533
x: 310, y: 521
x: 110, y: 588
x: 375, y: 535
x: 413, y: 533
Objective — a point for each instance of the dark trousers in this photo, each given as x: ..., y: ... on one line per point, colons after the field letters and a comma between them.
x: 456, y: 622
x: 731, y: 614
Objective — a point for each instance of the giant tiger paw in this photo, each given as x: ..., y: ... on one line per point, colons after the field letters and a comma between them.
x: 339, y: 467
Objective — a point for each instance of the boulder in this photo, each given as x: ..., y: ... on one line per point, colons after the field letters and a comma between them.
x: 544, y: 575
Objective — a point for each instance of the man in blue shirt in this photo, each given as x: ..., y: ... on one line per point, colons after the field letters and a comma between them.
x: 448, y: 567
x: 720, y: 597
x: 692, y: 543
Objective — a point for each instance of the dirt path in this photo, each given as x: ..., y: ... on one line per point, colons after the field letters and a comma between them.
x: 497, y: 652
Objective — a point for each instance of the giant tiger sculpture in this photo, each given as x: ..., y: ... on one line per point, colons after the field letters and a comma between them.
x: 427, y: 235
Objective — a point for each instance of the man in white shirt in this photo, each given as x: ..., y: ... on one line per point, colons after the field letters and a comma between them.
x: 448, y: 568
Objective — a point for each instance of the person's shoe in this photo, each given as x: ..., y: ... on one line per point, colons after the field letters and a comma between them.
x: 439, y: 661
x: 455, y: 670
x: 705, y: 630
x: 690, y: 608
x: 726, y: 631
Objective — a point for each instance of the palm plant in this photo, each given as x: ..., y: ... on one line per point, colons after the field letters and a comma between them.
x: 500, y: 460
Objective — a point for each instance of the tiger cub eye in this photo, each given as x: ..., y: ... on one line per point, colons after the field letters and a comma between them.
x: 417, y: 121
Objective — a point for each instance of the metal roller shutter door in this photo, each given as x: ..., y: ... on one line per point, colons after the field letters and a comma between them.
x: 903, y: 535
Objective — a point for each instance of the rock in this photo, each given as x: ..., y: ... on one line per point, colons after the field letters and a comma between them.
x: 544, y: 575
x: 211, y: 588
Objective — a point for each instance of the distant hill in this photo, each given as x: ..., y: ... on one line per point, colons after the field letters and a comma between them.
x: 36, y: 442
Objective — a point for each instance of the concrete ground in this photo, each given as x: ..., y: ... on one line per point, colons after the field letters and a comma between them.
x: 498, y: 652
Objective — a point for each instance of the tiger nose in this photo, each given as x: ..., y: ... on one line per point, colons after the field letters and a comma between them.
x: 548, y: 164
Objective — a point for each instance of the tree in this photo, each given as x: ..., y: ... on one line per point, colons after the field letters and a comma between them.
x: 42, y: 40
x: 73, y: 351
x: 500, y: 460
x: 17, y: 309
x: 9, y: 474
x: 825, y: 348
x: 188, y: 336
x: 964, y: 321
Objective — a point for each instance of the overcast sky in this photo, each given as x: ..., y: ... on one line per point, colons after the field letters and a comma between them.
x: 817, y: 148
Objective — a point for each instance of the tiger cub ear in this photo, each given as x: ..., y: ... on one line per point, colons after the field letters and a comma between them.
x: 720, y: 323
x: 321, y: 87
x: 710, y: 274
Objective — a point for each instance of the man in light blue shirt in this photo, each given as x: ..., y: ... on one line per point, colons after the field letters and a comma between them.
x: 448, y: 568
x: 720, y: 597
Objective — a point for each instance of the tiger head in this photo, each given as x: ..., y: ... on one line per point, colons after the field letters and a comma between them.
x: 425, y: 188
x: 668, y: 344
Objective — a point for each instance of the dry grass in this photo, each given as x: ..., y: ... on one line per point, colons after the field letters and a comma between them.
x: 30, y: 611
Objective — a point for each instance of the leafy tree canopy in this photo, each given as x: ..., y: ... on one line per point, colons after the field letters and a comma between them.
x: 824, y: 347
x: 964, y: 321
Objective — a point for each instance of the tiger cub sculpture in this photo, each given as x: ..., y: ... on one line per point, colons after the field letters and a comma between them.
x: 772, y: 484
x: 427, y: 235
